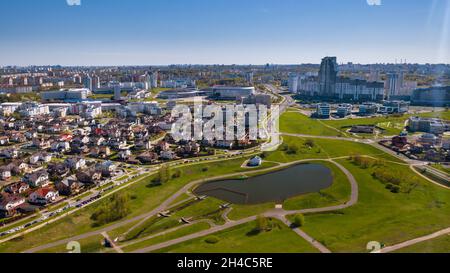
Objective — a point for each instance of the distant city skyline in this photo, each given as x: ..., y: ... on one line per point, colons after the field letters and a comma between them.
x: 164, y: 32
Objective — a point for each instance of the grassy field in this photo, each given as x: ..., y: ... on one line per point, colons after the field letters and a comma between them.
x: 145, y: 197
x: 337, y: 194
x: 168, y: 236
x: 243, y: 211
x: 243, y: 239
x: 297, y: 123
x: 391, y: 125
x: 381, y: 215
x: 324, y: 149
x: 208, y: 209
x: 89, y: 245
x: 438, y: 245
x: 445, y: 115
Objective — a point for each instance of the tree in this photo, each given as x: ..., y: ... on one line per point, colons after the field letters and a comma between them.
x: 261, y: 224
x: 117, y: 208
x: 299, y: 220
x: 163, y: 175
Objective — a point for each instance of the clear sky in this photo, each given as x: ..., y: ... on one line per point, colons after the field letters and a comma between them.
x: 141, y: 32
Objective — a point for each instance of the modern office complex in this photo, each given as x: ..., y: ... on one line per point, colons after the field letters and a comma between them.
x: 427, y: 125
x: 323, y: 110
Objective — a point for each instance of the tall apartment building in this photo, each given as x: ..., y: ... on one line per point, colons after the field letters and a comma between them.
x: 328, y: 76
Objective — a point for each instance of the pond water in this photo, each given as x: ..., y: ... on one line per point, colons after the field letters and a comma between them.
x: 273, y: 187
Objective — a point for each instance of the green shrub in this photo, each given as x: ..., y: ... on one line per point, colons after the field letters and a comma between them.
x: 299, y: 220
x: 212, y: 240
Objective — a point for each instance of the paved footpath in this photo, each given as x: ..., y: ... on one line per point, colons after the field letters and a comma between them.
x: 415, y: 241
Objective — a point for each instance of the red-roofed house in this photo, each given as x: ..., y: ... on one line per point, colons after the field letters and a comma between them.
x: 43, y: 196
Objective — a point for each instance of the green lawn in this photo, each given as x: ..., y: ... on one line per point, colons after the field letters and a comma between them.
x: 324, y: 149
x: 168, y: 236
x: 445, y: 115
x: 391, y: 125
x: 242, y: 239
x: 380, y: 215
x: 89, y: 245
x: 244, y: 211
x: 337, y: 194
x: 438, y: 245
x: 144, y: 199
x: 208, y: 209
x: 297, y: 123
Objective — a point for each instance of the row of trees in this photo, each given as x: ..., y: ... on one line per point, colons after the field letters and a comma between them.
x: 116, y: 208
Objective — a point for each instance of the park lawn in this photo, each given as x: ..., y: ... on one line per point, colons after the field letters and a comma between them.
x: 437, y: 245
x: 337, y: 194
x: 208, y: 209
x: 325, y: 149
x: 297, y: 123
x: 243, y: 211
x: 203, y: 210
x: 181, y: 198
x: 183, y: 231
x: 144, y: 198
x: 380, y: 215
x: 243, y: 239
x: 93, y: 244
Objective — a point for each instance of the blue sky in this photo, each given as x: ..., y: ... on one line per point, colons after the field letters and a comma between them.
x: 134, y: 32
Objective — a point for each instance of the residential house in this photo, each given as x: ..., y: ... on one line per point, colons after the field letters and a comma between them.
x: 37, y: 179
x: 41, y: 144
x: 9, y: 153
x: 167, y: 155
x: 107, y: 168
x: 5, y: 173
x: 8, y: 204
x: 75, y: 163
x: 147, y: 157
x: 43, y: 196
x: 4, y: 140
x: 40, y: 157
x: 69, y: 186
x: 89, y: 176
x: 17, y: 188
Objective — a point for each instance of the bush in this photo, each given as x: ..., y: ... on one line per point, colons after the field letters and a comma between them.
x: 299, y: 220
x: 310, y: 143
x: 362, y: 162
x: 212, y: 240
x: 262, y: 224
x: 177, y: 174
